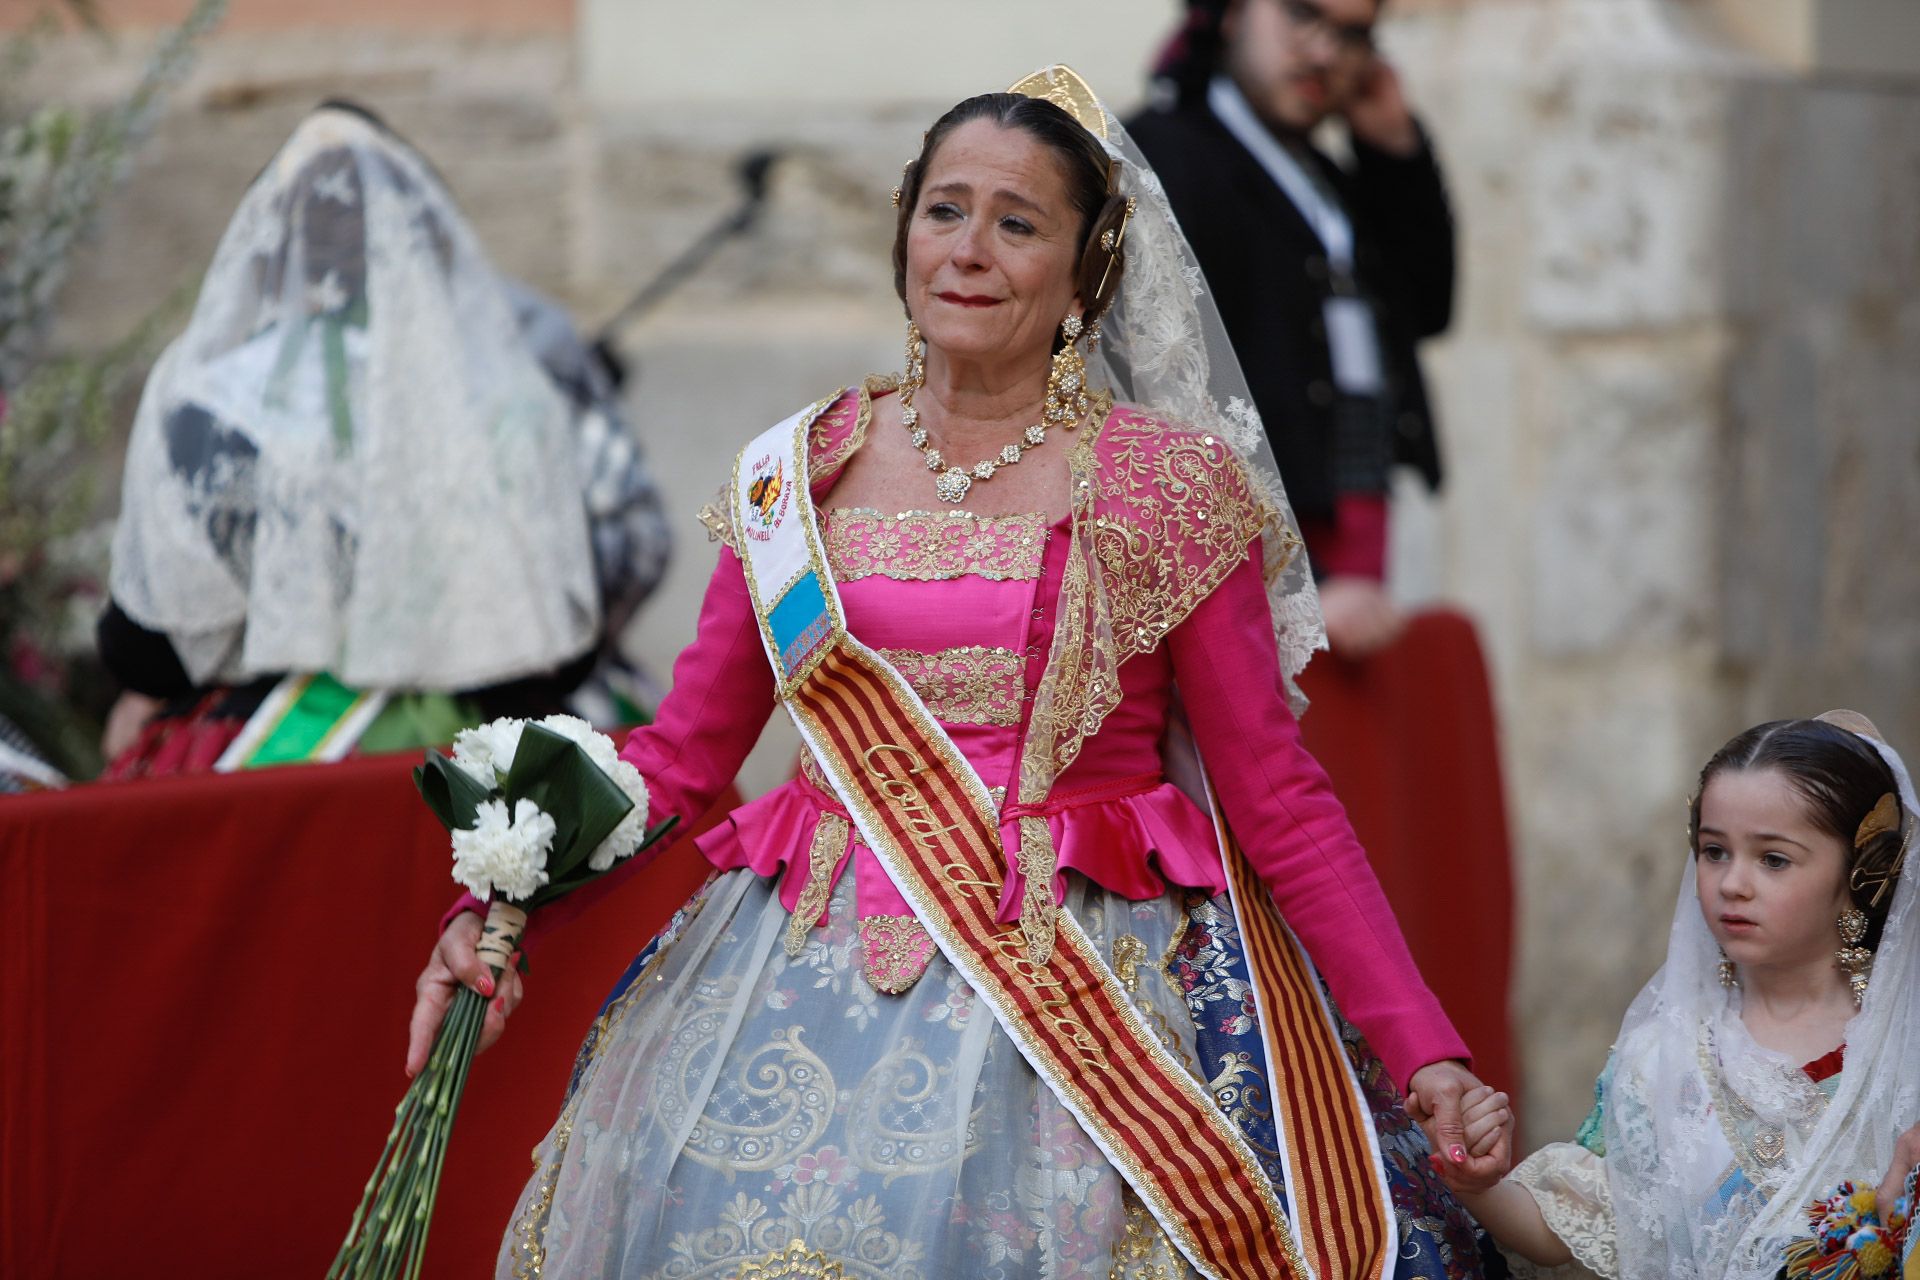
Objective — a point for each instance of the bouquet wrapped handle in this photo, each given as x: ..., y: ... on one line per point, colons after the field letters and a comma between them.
x: 500, y: 935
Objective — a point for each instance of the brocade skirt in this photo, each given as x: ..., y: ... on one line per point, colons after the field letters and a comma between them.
x: 731, y: 1100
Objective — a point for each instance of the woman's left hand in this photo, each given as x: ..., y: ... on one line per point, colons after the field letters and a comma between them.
x: 1906, y: 1154
x: 1435, y: 1099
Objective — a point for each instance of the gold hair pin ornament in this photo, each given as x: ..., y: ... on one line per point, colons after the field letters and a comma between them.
x: 1110, y: 240
x: 1864, y: 878
x: 1885, y: 817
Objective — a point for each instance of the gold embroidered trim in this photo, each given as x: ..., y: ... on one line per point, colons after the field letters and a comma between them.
x: 1128, y: 952
x: 1160, y: 518
x: 1143, y: 1251
x: 934, y: 546
x: 810, y: 770
x: 895, y: 951
x: 1037, y: 861
x: 719, y: 527
x: 795, y: 1262
x: 1081, y: 683
x: 529, y: 1249
x: 1758, y: 1147
x: 974, y: 684
x: 1189, y: 518
x: 829, y: 458
x: 823, y: 858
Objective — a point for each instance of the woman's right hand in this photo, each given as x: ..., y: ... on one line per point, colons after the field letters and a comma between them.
x: 454, y: 964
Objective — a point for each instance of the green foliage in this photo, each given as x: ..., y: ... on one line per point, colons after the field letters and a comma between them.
x: 58, y: 165
x: 452, y: 793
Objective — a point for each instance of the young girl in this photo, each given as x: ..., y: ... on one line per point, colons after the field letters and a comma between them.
x: 1777, y: 1052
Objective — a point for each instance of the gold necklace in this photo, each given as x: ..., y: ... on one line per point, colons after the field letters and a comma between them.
x: 952, y: 482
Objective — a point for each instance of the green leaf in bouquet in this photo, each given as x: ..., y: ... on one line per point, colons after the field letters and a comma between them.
x: 584, y: 803
x: 581, y: 874
x: 450, y: 791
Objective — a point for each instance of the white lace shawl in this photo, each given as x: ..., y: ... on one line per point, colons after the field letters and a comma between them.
x: 350, y: 461
x: 1165, y: 347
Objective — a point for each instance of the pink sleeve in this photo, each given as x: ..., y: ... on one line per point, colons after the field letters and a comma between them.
x: 1293, y: 828
x: 721, y: 697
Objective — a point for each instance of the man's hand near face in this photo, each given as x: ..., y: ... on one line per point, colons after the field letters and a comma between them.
x: 1377, y: 111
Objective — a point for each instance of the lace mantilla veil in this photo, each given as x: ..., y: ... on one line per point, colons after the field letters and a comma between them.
x: 1163, y: 347
x: 350, y: 461
x: 1693, y: 1096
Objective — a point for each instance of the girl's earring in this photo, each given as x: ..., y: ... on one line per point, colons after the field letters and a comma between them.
x: 1727, y: 978
x: 1855, y: 960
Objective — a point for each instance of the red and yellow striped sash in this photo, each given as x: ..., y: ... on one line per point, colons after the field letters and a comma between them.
x: 1336, y: 1187
x: 927, y: 816
x: 936, y: 834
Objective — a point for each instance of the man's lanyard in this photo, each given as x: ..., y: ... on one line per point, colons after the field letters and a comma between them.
x: 1353, y: 340
x: 1317, y: 205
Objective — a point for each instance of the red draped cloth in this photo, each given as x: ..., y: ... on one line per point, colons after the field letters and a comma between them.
x: 204, y: 988
x: 1409, y: 738
x: 204, y: 981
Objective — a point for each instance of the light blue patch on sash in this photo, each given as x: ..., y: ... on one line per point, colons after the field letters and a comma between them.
x: 800, y: 622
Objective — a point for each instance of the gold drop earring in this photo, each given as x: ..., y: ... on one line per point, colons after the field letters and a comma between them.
x: 1855, y: 960
x: 1727, y: 978
x: 1066, y: 401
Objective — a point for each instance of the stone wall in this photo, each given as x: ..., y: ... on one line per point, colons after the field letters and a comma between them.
x: 1681, y: 399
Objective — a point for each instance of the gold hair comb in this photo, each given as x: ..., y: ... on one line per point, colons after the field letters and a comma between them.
x: 1885, y: 817
x: 1062, y: 86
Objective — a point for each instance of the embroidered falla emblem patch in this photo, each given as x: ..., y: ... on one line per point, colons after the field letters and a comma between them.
x: 766, y: 497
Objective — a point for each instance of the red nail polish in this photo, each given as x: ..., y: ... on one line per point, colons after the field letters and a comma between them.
x: 486, y: 984
x: 500, y: 1003
x: 1459, y: 1154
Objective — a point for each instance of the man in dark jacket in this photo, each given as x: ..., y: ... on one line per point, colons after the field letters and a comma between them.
x: 1326, y: 277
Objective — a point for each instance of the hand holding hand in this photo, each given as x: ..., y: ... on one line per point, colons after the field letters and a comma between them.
x: 1906, y: 1154
x: 1378, y: 113
x: 454, y: 964
x: 1438, y: 1099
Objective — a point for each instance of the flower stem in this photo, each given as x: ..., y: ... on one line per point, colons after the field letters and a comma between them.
x: 462, y: 1063
x: 389, y: 1230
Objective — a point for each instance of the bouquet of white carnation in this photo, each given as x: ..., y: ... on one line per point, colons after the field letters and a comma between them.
x: 536, y: 808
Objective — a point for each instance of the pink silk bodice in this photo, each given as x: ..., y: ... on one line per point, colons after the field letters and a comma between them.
x: 964, y: 607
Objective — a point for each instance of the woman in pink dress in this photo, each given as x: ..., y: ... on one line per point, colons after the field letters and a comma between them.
x: 793, y: 1073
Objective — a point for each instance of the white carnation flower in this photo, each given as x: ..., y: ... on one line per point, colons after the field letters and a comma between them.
x: 486, y: 751
x: 625, y: 838
x: 502, y: 854
x: 598, y: 746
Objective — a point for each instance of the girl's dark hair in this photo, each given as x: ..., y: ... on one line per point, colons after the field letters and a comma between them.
x: 1840, y: 776
x: 1083, y: 163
